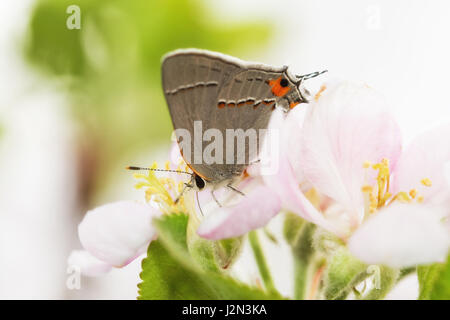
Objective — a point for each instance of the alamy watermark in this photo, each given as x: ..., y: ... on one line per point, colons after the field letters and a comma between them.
x: 73, y: 281
x: 375, y: 271
x: 230, y: 146
x: 74, y: 20
x: 373, y: 21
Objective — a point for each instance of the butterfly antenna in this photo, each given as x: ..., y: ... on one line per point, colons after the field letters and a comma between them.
x: 159, y: 170
x: 310, y: 75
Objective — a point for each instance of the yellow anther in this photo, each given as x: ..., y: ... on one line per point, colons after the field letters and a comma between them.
x: 313, y: 196
x: 180, y: 186
x: 379, y: 195
x: 167, y: 165
x: 386, y: 197
x: 403, y: 197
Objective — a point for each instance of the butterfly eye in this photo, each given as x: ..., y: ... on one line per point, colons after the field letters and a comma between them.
x: 284, y: 83
x: 199, y: 182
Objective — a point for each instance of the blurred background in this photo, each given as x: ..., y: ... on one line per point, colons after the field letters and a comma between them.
x: 78, y: 105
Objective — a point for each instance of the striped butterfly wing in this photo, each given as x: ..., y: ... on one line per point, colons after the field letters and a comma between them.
x: 223, y: 93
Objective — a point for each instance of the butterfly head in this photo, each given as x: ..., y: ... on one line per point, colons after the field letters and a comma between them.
x: 289, y: 91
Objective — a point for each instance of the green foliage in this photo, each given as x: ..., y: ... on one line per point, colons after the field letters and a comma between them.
x: 387, y: 278
x: 111, y: 66
x: 343, y: 272
x: 299, y: 234
x: 292, y: 227
x: 212, y: 255
x: 434, y: 281
x: 261, y: 261
x: 169, y: 272
x: 227, y: 251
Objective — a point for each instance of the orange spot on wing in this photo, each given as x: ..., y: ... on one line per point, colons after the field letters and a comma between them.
x: 231, y: 104
x: 277, y: 89
x: 221, y: 105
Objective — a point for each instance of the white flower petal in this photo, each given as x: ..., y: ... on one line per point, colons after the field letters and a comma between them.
x: 88, y: 264
x: 405, y: 289
x: 426, y: 157
x: 348, y: 125
x: 292, y: 127
x: 447, y: 173
x: 118, y: 232
x: 254, y: 211
x: 402, y: 235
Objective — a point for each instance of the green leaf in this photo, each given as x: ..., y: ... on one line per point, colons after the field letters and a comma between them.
x: 169, y: 272
x: 434, y: 281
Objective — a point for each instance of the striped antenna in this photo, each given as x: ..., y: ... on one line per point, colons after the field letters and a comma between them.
x: 311, y: 75
x: 159, y: 170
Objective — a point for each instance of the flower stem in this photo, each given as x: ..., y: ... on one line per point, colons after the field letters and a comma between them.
x: 261, y: 261
x: 303, y: 253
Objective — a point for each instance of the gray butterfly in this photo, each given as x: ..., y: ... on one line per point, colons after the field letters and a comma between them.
x: 223, y: 92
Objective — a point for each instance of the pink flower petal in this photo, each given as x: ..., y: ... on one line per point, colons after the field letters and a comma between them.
x: 285, y: 185
x: 447, y: 173
x: 293, y: 127
x: 426, y: 157
x: 402, y: 235
x: 346, y: 127
x: 88, y: 264
x: 117, y: 233
x: 254, y: 211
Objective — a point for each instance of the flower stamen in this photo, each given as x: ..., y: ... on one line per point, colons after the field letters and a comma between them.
x: 162, y: 191
x: 426, y: 182
x: 379, y: 195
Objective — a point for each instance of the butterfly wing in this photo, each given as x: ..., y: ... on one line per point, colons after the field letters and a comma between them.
x: 223, y: 93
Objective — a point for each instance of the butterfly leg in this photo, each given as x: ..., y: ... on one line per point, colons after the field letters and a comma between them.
x: 235, y: 190
x: 187, y: 186
x: 215, y: 199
